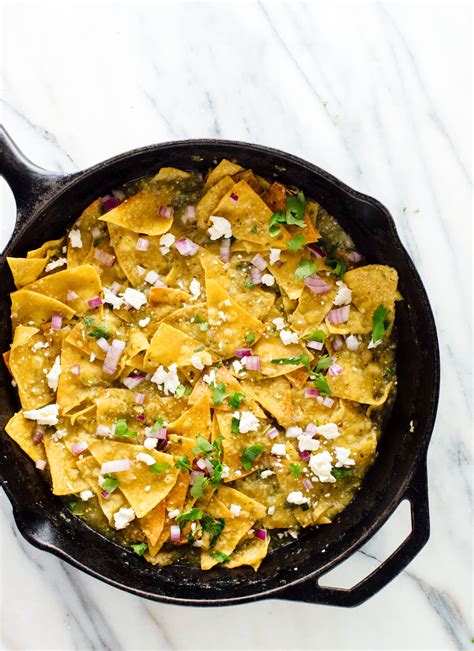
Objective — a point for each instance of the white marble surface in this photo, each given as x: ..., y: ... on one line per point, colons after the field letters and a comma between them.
x: 378, y: 94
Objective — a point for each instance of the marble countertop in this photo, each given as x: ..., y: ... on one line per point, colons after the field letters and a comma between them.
x: 379, y: 95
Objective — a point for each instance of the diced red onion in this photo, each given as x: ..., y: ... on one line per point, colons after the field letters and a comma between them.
x: 96, y: 301
x: 107, y: 259
x: 315, y: 345
x: 103, y: 430
x: 142, y: 244
x: 71, y: 296
x: 252, y: 362
x: 140, y: 417
x: 189, y: 215
x: 255, y: 276
x: 205, y: 464
x: 193, y: 475
x: 311, y: 393
x: 261, y: 533
x: 119, y: 194
x: 339, y: 315
x: 161, y: 433
x: 132, y: 381
x: 328, y: 402
x: 224, y: 251
x: 316, y: 284
x: 78, y: 448
x: 234, y: 197
x: 337, y: 342
x: 352, y: 343
x: 159, y: 283
x: 166, y: 211
x: 305, y: 455
x: 113, y: 356
x: 109, y: 203
x: 186, y: 246
x: 259, y: 262
x: 105, y: 494
x: 175, y: 533
x: 96, y: 232
x: 272, y: 433
x: 311, y: 429
x: 334, y: 370
x: 56, y: 321
x: 317, y: 251
x: 354, y: 256
x: 40, y: 464
x: 243, y: 352
x: 117, y: 465
x: 140, y: 398
x: 76, y: 370
x: 38, y: 436
x: 307, y: 484
x: 103, y: 344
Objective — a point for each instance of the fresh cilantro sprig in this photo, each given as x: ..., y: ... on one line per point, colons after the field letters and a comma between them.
x: 183, y: 463
x: 139, y: 548
x: 159, y: 467
x: 296, y: 469
x: 304, y: 269
x: 96, y: 331
x: 236, y: 399
x: 380, y: 323
x: 250, y: 455
x: 296, y: 243
x: 340, y: 473
x: 212, y: 526
x: 249, y: 337
x: 293, y: 215
x: 199, y: 487
x: 109, y: 483
x: 314, y: 335
x: 220, y: 557
x: 122, y: 431
x: 189, y: 516
x: 218, y: 393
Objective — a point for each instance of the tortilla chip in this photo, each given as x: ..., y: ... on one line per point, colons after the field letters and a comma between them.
x: 229, y: 322
x: 90, y: 471
x: 298, y: 378
x: 196, y: 421
x: 65, y: 475
x: 153, y: 522
x: 274, y: 396
x: 249, y: 216
x: 31, y: 308
x: 250, y: 551
x: 73, y: 390
x: 88, y: 220
x: 224, y: 168
x: 167, y: 295
x: 170, y: 174
x: 312, y: 309
x: 139, y: 213
x: 284, y: 270
x: 359, y: 381
x: 275, y: 197
x: 26, y: 270
x: 272, y: 347
x: 22, y: 430
x: 47, y: 249
x: 171, y: 346
x: 83, y: 280
x: 208, y: 203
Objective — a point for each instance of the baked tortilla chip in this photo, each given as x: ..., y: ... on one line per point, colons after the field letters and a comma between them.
x: 88, y: 221
x: 171, y: 346
x: 168, y: 296
x: 65, y: 475
x: 196, y: 421
x: 31, y: 308
x: 153, y: 522
x: 312, y: 309
x: 171, y: 174
x: 90, y: 471
x: 133, y: 482
x: 140, y: 213
x: 73, y: 389
x: 274, y: 396
x: 83, y: 280
x: 250, y: 551
x: 224, y: 168
x: 359, y: 381
x: 47, y: 249
x: 272, y: 347
x: 26, y: 270
x: 209, y: 202
x: 22, y: 430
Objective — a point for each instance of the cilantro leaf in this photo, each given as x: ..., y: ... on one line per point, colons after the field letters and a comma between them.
x: 296, y: 470
x: 202, y: 446
x: 183, y: 463
x: 159, y: 422
x: 218, y: 393
x: 122, y: 431
x: 248, y: 284
x: 199, y: 487
x: 298, y: 359
x: 323, y: 362
x: 321, y: 384
x: 380, y: 323
x: 296, y: 243
x: 304, y: 269
x: 139, y: 548
x: 109, y: 483
x: 249, y: 456
x: 235, y: 399
x: 96, y: 331
x: 159, y: 467
x: 72, y: 503
x: 250, y: 337
x: 339, y: 473
x: 314, y: 335
x: 217, y: 472
x: 294, y: 211
x: 212, y: 526
x: 220, y: 556
x: 192, y: 514
x: 235, y: 425
x: 274, y: 224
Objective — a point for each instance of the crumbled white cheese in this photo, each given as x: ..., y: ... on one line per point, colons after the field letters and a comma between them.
x: 134, y: 298
x: 195, y: 289
x: 167, y: 240
x: 210, y: 378
x: 329, y: 431
x: 60, y: 262
x: 321, y: 465
x: 235, y: 509
x: 75, y: 238
x: 150, y: 443
x: 274, y: 255
x: 228, y: 302
x: 196, y: 362
x: 123, y: 517
x: 173, y: 514
x: 268, y: 280
x: 296, y: 497
x: 294, y: 431
x: 279, y: 323
x: 343, y: 457
x: 86, y: 495
x: 288, y: 337
x: 266, y: 473
x: 91, y: 357
x: 144, y: 322
x: 147, y: 489
x: 113, y: 300
x: 344, y: 294
x: 237, y: 366
x: 59, y: 434
x: 306, y: 442
x: 47, y: 415
x: 53, y: 375
x: 140, y: 270
x: 168, y: 380
x: 279, y: 449
x: 38, y: 345
x: 248, y: 422
x: 151, y: 277
x: 221, y: 227
x: 271, y: 510
x: 146, y: 458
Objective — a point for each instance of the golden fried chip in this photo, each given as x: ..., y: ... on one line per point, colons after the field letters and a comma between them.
x: 359, y: 381
x: 22, y: 430
x: 47, y: 249
x: 26, y: 270
x: 272, y: 347
x: 224, y: 168
x: 140, y: 213
x: 33, y: 309
x: 196, y: 421
x: 171, y: 346
x: 274, y: 396
x: 209, y: 202
x: 250, y: 551
x: 65, y: 474
x: 312, y: 309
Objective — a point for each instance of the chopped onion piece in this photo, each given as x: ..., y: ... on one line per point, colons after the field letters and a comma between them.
x: 252, y: 362
x: 189, y: 215
x: 224, y: 251
x: 119, y: 194
x: 166, y: 211
x: 334, y: 370
x: 132, y: 381
x: 78, y: 448
x: 105, y: 494
x: 103, y: 430
x: 142, y: 244
x: 305, y: 455
x: 311, y: 429
x: 109, y: 203
x: 337, y: 342
x: 259, y: 262
x: 117, y: 465
x: 71, y: 296
x: 56, y: 321
x: 96, y: 232
x: 328, y: 402
x: 40, y: 464
x: 104, y: 258
x: 243, y: 352
x: 96, y: 301
x: 339, y: 315
x: 76, y: 370
x: 186, y: 246
x: 317, y: 251
x: 175, y: 533
x: 103, y: 344
x: 113, y: 356
x: 354, y: 256
x: 234, y: 197
x: 311, y: 393
x: 307, y: 484
x: 315, y: 345
x: 255, y: 276
x: 316, y: 284
x: 38, y: 436
x: 261, y: 533
x: 140, y: 398
x: 272, y: 433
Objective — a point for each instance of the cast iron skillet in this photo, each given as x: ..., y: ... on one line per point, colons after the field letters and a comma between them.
x: 47, y: 204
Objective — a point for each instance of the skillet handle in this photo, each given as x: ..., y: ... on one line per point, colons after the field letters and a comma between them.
x: 28, y: 182
x: 311, y: 592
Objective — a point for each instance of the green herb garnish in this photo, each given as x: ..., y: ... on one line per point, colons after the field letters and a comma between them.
x: 323, y: 362
x: 212, y: 526
x: 304, y: 269
x: 203, y: 325
x: 96, y: 331
x: 202, y: 446
x: 339, y: 473
x: 183, y: 463
x: 109, y: 483
x: 299, y: 359
x: 218, y: 393
x: 235, y: 399
x: 248, y: 284
x: 199, y: 487
x: 192, y: 514
x: 235, y: 425
x: 159, y: 467
x: 380, y: 323
x: 220, y: 556
x: 72, y: 503
x: 314, y: 335
x: 321, y: 384
x: 296, y: 470
x: 293, y: 214
x: 296, y: 243
x: 122, y: 431
x: 139, y: 548
x: 249, y: 337
x: 253, y: 229
x: 249, y: 456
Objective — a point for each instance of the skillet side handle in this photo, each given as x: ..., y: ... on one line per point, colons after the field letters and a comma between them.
x: 311, y: 592
x: 28, y: 182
